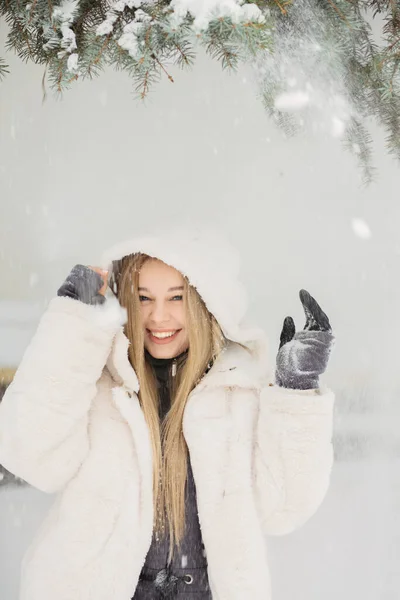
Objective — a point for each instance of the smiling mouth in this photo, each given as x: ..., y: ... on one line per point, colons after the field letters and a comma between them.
x: 164, y: 339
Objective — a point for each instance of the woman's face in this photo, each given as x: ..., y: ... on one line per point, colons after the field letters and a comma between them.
x: 162, y: 308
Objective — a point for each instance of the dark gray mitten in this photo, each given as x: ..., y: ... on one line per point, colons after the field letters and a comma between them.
x: 304, y: 356
x: 83, y: 284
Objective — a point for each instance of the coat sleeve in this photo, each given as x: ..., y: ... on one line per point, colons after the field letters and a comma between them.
x: 44, y: 412
x: 293, y: 456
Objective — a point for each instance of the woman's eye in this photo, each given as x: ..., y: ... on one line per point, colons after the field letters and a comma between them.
x: 143, y: 298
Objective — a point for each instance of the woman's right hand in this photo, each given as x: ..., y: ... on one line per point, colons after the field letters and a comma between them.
x: 87, y: 284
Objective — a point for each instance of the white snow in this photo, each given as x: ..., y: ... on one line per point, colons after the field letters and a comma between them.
x: 65, y: 14
x: 107, y: 25
x: 308, y: 74
x: 130, y: 43
x: 129, y: 40
x: 292, y: 101
x: 68, y: 41
x: 203, y: 11
x: 72, y: 64
x: 361, y: 229
x: 328, y: 113
x: 119, y: 6
x: 338, y: 127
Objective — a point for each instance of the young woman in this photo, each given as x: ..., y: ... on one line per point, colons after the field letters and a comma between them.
x: 149, y: 409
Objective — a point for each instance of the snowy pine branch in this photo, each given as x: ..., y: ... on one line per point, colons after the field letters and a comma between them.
x: 316, y: 61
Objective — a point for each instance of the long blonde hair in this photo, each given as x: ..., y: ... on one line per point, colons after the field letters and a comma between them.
x: 170, y: 451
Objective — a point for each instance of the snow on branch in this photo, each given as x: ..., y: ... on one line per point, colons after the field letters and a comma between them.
x: 316, y: 61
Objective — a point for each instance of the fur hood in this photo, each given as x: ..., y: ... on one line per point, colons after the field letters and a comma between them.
x: 212, y: 265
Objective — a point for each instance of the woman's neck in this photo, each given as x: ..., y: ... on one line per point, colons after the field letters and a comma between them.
x: 162, y: 366
x: 162, y: 361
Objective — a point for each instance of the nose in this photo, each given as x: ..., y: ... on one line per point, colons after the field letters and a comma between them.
x: 159, y: 313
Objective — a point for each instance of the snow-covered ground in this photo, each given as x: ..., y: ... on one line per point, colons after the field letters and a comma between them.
x: 349, y: 550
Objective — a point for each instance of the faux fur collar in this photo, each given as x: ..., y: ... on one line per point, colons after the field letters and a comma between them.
x: 235, y: 366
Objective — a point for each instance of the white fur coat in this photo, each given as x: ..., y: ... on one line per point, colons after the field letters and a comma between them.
x: 71, y: 423
x: 261, y: 459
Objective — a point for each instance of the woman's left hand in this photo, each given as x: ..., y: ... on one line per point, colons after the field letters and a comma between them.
x: 303, y: 356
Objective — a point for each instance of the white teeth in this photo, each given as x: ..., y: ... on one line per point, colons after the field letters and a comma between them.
x: 163, y: 335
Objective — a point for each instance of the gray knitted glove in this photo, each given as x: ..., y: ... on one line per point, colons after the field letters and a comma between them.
x: 83, y: 284
x: 303, y: 356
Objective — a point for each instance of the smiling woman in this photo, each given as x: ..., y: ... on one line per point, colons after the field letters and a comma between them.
x: 150, y: 409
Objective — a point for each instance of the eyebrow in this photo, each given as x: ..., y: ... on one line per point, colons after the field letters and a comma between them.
x: 172, y: 289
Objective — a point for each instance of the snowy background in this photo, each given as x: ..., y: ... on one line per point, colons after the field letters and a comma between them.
x: 79, y: 174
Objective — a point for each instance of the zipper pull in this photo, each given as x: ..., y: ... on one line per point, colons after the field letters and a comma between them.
x: 174, y: 367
